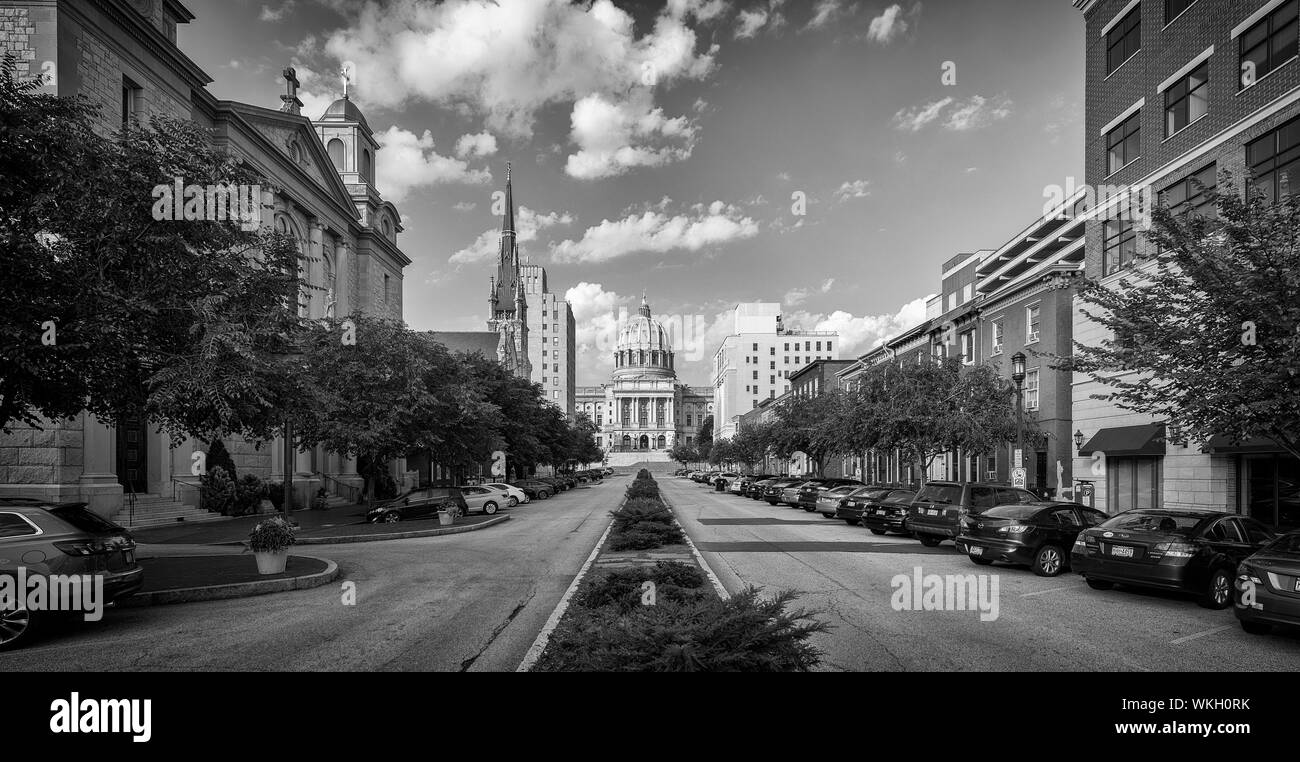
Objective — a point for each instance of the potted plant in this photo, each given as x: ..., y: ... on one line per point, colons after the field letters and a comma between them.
x: 270, y: 541
x: 447, y: 513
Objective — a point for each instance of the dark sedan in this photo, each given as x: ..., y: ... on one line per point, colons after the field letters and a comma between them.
x: 1268, y: 586
x: 809, y: 492
x: 1037, y: 535
x: 421, y: 503
x: 772, y: 491
x: 1195, y: 551
x: 880, y: 510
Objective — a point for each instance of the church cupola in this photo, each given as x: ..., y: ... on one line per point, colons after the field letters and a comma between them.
x: 348, y: 139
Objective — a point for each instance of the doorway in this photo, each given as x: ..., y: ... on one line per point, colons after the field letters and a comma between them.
x: 132, y: 454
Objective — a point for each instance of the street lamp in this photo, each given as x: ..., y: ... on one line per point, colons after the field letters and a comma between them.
x: 1078, y: 439
x: 1018, y: 375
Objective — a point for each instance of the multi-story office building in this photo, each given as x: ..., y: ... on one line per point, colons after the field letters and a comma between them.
x: 1176, y: 90
x: 755, y: 362
x: 551, y: 347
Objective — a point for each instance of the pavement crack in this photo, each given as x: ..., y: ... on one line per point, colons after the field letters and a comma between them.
x: 467, y: 663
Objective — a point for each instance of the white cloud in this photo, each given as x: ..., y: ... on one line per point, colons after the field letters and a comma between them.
x: 889, y: 25
x: 862, y: 334
x: 528, y: 225
x: 797, y: 296
x: 914, y: 118
x: 749, y: 22
x: 482, y: 144
x: 275, y: 14
x: 407, y: 162
x: 508, y: 60
x: 824, y: 13
x: 595, y: 320
x: 614, y: 136
x: 853, y: 189
x: 957, y: 116
x: 656, y: 232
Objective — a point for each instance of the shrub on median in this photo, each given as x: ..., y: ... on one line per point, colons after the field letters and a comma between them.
x: 745, y: 633
x: 621, y: 589
x: 646, y: 535
x: 641, y: 509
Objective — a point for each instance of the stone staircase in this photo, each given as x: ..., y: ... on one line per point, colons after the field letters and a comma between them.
x: 157, y: 510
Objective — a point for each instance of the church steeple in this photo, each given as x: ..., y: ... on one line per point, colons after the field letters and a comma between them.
x: 507, y: 278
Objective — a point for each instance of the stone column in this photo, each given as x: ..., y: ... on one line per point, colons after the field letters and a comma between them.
x: 98, y: 483
x: 342, y: 267
x: 315, y: 237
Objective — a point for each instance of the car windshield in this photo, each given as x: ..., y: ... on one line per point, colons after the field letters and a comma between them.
x: 82, y: 518
x: 1287, y: 543
x: 1012, y: 511
x: 839, y: 491
x: 940, y: 493
x: 1141, y: 521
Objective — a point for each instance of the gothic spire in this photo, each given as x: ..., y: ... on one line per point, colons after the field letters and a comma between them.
x: 508, y: 253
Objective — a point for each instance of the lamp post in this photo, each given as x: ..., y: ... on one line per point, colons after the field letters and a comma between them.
x: 1018, y: 375
x: 1078, y: 439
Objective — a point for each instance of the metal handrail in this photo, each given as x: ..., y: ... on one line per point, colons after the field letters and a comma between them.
x: 195, y: 485
x: 348, y: 491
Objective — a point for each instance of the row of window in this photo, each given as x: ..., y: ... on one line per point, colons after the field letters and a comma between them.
x: 807, y: 347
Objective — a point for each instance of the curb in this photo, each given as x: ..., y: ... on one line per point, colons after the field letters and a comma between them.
x: 699, y: 557
x: 399, y: 535
x: 544, y: 637
x: 234, y: 590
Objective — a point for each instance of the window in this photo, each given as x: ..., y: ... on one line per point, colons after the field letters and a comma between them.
x: 819, y: 346
x: 952, y: 300
x: 787, y: 346
x: 367, y: 172
x: 1031, y: 323
x: 828, y: 346
x: 544, y: 351
x: 968, y: 348
x: 1175, y: 8
x: 385, y: 288
x: 1193, y: 194
x: 335, y: 149
x: 773, y: 380
x: 746, y: 388
x: 997, y: 337
x: 771, y: 351
x: 772, y: 365
x: 543, y: 313
x: 983, y: 497
x: 755, y: 375
x: 130, y: 101
x: 555, y: 327
x: 1119, y: 245
x: 796, y: 361
x: 1124, y: 143
x: 1268, y: 44
x: 755, y: 347
x: 1274, y: 159
x: 1132, y: 482
x: 785, y: 360
x: 543, y: 379
x: 1124, y: 39
x: 1031, y: 389
x: 13, y: 525
x: 1188, y: 99
x: 555, y: 395
x: 967, y: 291
x: 555, y: 340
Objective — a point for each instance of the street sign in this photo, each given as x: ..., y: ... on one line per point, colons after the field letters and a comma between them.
x: 1019, y: 458
x: 1018, y: 477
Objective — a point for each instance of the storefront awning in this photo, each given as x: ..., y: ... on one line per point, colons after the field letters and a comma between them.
x: 1222, y: 444
x: 1147, y: 439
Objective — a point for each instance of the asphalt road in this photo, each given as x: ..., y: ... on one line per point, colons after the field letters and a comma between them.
x: 472, y: 601
x: 1042, y: 624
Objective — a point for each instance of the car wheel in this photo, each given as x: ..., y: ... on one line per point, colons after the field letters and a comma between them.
x: 1049, y: 561
x: 1099, y: 584
x: 877, y: 532
x: 828, y: 515
x: 852, y: 522
x: 929, y: 541
x: 543, y: 495
x: 1256, y: 628
x: 979, y: 561
x: 392, y: 517
x: 17, y: 628
x: 810, y: 510
x: 512, y: 501
x: 771, y: 502
x: 489, y: 508
x: 1218, y: 592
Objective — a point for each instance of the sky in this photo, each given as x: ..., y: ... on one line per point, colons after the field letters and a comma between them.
x: 826, y: 154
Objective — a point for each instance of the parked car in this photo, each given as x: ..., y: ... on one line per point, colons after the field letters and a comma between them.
x: 421, y: 503
x: 484, y: 498
x: 514, y: 495
x: 935, y: 515
x: 1195, y: 551
x: 812, y: 490
x: 49, y: 538
x: 607, y: 471
x: 726, y: 477
x: 1039, y: 535
x: 558, y: 485
x: 790, y: 493
x: 535, y: 489
x: 880, y: 509
x: 1273, y: 578
x: 773, y: 489
x: 748, y: 482
x: 828, y: 502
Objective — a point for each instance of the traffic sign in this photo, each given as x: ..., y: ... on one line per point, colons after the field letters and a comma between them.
x: 1017, y: 477
x: 1019, y: 458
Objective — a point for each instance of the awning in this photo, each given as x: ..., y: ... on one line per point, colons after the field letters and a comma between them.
x: 1221, y: 444
x: 1147, y: 439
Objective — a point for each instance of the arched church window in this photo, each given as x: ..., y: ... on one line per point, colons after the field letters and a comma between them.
x: 335, y: 149
x: 367, y: 171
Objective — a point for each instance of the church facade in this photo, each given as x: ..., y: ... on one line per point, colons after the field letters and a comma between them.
x: 122, y: 55
x: 643, y: 411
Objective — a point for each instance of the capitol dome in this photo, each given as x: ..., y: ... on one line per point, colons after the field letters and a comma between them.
x: 643, y: 348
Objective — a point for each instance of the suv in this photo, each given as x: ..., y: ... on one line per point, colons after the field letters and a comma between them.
x: 422, y: 503
x: 939, y: 507
x: 68, y: 539
x: 809, y: 492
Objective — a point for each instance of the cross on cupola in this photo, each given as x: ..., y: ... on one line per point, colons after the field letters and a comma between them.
x: 292, y: 105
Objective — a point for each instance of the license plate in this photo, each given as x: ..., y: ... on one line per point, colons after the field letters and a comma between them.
x: 1297, y: 585
x: 974, y: 550
x: 879, y: 512
x: 1121, y: 550
x: 933, y: 512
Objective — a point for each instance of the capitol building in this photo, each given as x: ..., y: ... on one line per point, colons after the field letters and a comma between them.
x: 643, y: 411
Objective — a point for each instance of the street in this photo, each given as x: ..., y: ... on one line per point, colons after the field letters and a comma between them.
x: 472, y: 601
x: 1043, y: 624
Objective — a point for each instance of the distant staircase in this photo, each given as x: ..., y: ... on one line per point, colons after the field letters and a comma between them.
x: 157, y: 511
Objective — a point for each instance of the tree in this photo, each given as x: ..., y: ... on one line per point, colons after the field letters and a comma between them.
x: 704, y: 437
x: 684, y: 454
x: 808, y: 424
x: 105, y: 308
x: 1211, y: 325
x: 752, y: 444
x: 721, y: 453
